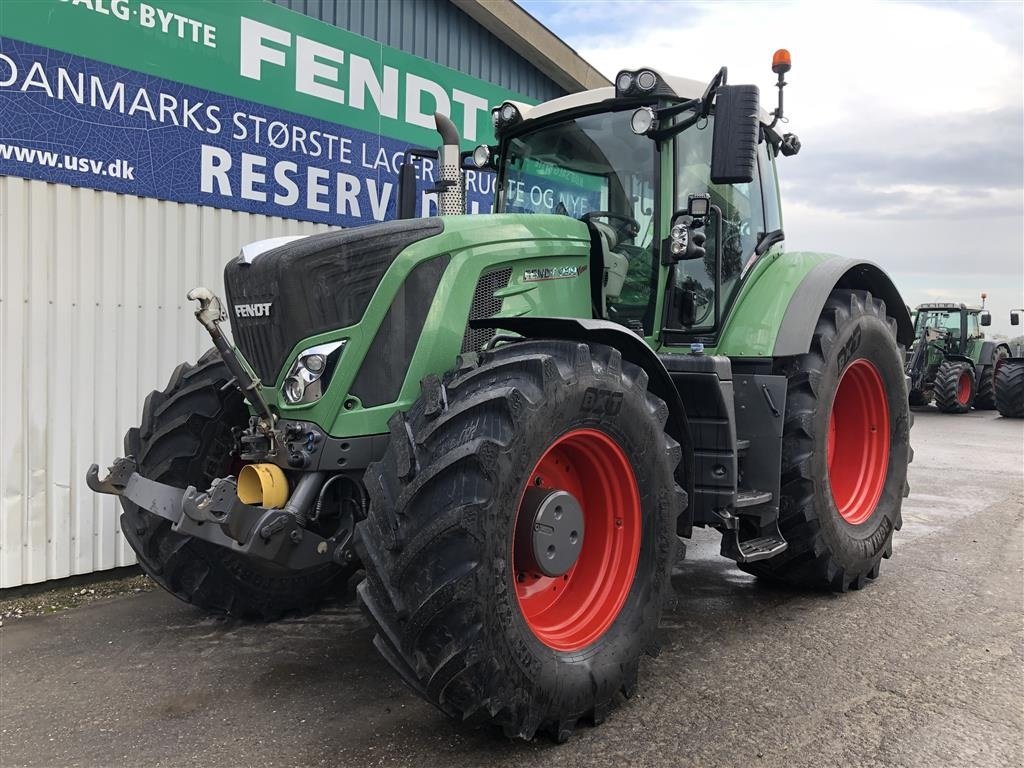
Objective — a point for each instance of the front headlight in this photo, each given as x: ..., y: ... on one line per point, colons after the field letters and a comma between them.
x: 311, y: 373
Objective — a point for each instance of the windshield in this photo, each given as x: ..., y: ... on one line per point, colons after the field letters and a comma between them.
x: 943, y: 319
x: 593, y: 165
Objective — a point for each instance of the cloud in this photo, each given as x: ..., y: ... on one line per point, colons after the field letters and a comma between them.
x: 911, y: 117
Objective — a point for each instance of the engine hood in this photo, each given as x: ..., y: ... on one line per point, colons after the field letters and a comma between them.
x: 309, y: 286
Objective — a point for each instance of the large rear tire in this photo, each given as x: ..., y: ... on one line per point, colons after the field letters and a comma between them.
x: 846, y: 446
x: 954, y: 386
x: 185, y: 439
x: 461, y: 611
x: 1010, y: 388
x: 985, y: 400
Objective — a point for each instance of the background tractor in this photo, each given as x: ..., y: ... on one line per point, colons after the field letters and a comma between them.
x: 1009, y: 378
x: 950, y: 360
x: 507, y: 421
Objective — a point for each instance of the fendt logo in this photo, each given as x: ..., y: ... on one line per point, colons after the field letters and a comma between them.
x: 253, y: 310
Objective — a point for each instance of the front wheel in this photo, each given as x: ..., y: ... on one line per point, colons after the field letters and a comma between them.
x: 954, y: 386
x: 846, y: 446
x: 521, y: 535
x: 185, y: 438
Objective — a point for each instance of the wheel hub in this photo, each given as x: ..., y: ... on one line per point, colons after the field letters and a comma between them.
x: 555, y: 531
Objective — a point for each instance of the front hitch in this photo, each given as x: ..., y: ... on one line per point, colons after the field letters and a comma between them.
x: 218, y: 517
x: 210, y: 314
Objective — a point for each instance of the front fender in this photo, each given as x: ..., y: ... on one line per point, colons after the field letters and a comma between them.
x: 776, y: 313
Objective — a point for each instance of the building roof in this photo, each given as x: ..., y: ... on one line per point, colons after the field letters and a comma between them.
x: 534, y: 42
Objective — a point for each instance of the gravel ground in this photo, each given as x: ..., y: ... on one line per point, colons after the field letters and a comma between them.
x: 38, y: 600
x: 925, y: 667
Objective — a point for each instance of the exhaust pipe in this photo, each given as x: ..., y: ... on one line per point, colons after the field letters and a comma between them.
x: 451, y: 198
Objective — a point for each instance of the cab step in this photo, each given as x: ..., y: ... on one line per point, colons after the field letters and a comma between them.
x: 752, y: 550
x: 761, y: 548
x: 751, y: 498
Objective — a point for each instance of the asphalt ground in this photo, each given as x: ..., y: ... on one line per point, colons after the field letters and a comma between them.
x: 924, y: 667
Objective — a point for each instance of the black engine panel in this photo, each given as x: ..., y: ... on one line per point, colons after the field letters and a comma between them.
x: 310, y: 286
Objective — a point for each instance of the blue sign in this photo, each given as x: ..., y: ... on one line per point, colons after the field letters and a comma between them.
x: 70, y: 120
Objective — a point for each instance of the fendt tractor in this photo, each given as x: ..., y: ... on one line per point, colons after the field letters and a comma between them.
x: 1009, y: 380
x: 507, y: 421
x: 950, y: 361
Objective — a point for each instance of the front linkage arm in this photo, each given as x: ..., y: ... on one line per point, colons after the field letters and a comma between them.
x: 218, y: 517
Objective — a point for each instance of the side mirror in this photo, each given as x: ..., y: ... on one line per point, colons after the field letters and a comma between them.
x: 1015, y: 318
x: 986, y: 318
x: 406, y: 191
x: 734, y: 147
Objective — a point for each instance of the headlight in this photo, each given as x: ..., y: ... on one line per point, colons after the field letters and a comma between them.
x: 646, y: 80
x: 294, y: 388
x: 624, y: 81
x: 643, y: 121
x: 482, y: 156
x: 311, y: 373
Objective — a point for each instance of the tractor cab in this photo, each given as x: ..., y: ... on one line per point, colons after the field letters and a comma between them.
x: 674, y: 178
x: 958, y: 324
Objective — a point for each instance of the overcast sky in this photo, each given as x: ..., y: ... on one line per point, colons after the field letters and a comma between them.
x: 911, y: 117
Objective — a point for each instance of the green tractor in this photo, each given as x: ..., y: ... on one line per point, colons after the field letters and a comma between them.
x: 508, y: 421
x: 950, y: 360
x: 1009, y: 378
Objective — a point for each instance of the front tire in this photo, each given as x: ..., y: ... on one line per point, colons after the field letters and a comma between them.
x: 954, y: 386
x: 185, y: 439
x: 845, y: 450
x: 465, y: 617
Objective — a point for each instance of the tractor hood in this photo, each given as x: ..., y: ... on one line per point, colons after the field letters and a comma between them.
x: 401, y: 297
x: 310, y: 285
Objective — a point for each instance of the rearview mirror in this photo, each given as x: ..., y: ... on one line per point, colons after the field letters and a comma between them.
x: 986, y: 318
x: 1015, y: 318
x: 734, y: 147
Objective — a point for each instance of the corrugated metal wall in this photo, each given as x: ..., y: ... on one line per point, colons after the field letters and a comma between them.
x: 437, y: 31
x: 93, y: 316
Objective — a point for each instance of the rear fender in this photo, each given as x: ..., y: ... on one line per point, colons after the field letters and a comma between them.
x: 635, y: 350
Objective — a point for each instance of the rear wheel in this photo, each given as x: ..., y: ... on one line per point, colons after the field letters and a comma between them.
x: 1010, y: 388
x: 846, y: 446
x: 986, y: 397
x: 521, y: 535
x: 185, y: 439
x: 954, y: 386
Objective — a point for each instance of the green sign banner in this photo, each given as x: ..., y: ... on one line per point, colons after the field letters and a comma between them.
x: 266, y: 54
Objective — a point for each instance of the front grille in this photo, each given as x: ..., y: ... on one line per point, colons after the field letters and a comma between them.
x: 485, y: 304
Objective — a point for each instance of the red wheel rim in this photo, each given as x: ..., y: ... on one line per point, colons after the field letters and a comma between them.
x: 571, y: 611
x: 858, y: 441
x: 963, y: 388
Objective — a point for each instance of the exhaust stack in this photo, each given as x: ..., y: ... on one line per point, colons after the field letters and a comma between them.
x: 451, y: 198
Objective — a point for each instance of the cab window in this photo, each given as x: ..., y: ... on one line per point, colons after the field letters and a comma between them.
x: 743, y: 223
x: 769, y: 187
x: 973, y: 326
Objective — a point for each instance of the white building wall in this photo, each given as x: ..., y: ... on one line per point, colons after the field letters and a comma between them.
x: 93, y: 316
